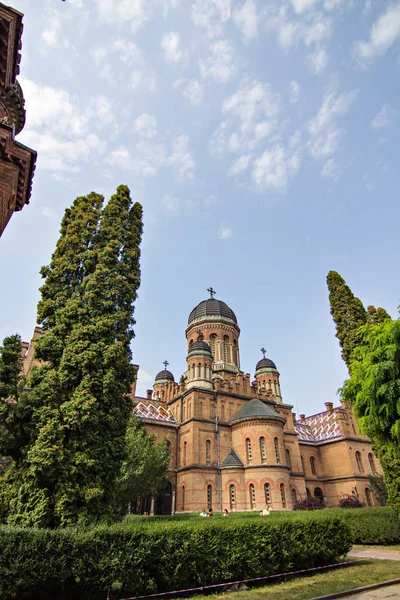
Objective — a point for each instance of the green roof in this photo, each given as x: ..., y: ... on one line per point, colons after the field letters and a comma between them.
x: 256, y: 408
x: 232, y: 460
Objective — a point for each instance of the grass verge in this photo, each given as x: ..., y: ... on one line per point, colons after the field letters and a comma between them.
x: 305, y: 588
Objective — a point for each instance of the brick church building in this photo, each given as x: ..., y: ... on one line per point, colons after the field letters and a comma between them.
x: 234, y: 442
x: 17, y: 162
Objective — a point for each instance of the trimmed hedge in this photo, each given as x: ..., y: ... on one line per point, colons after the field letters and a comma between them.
x: 70, y: 563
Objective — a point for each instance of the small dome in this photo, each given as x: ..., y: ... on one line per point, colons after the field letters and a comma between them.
x: 164, y: 375
x: 201, y: 347
x: 258, y: 409
x: 212, y: 307
x: 265, y: 363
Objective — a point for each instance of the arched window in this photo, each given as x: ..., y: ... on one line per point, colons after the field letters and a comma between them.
x: 359, y: 462
x: 263, y: 452
x: 190, y: 343
x: 371, y: 462
x: 308, y: 493
x: 288, y: 460
x: 225, y: 348
x: 208, y: 452
x: 213, y: 340
x: 302, y: 463
x: 183, y: 497
x: 318, y: 493
x: 267, y: 493
x: 252, y: 493
x: 368, y: 496
x: 312, y: 465
x: 294, y: 496
x: 209, y: 496
x: 232, y: 496
x: 283, y: 495
x: 184, y: 453
x: 277, y: 455
x: 248, y: 451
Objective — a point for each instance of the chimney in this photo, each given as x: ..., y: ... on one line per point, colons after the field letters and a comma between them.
x: 149, y: 394
x: 329, y: 407
x: 302, y: 418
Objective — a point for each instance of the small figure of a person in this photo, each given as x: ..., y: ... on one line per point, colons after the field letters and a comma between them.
x: 203, y: 513
x: 210, y: 512
x: 226, y: 512
x: 266, y: 511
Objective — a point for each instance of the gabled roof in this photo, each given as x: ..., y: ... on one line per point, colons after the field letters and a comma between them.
x: 318, y: 428
x: 256, y: 408
x: 232, y: 460
x: 150, y: 411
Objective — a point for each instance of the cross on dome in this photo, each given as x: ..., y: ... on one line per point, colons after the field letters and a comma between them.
x: 165, y: 363
x: 264, y: 352
x: 211, y: 291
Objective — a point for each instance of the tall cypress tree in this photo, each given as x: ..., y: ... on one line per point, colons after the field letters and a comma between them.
x: 376, y: 316
x: 348, y: 314
x: 78, y: 407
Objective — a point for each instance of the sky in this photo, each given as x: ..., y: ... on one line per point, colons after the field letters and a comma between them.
x: 261, y: 137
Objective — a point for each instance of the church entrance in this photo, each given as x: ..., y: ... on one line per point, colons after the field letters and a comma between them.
x: 163, y: 501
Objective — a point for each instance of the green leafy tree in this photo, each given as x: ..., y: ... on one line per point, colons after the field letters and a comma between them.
x: 348, y: 314
x: 378, y: 487
x: 144, y: 470
x: 77, y: 411
x: 374, y: 392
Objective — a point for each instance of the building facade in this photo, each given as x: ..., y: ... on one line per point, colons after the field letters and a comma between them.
x: 17, y: 162
x: 234, y: 442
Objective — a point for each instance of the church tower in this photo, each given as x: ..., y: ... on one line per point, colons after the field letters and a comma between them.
x: 267, y: 377
x: 217, y: 324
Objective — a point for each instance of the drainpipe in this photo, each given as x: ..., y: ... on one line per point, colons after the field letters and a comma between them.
x: 217, y: 440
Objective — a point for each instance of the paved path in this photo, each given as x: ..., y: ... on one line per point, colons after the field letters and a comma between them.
x: 389, y: 591
x: 380, y: 553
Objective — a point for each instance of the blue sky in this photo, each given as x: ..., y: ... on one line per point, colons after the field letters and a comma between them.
x: 261, y: 137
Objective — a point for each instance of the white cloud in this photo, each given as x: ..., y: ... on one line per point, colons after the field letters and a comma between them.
x: 146, y: 158
x: 311, y: 30
x: 64, y: 133
x: 250, y: 117
x: 331, y: 169
x: 140, y: 79
x: 324, y: 133
x: 275, y: 168
x: 134, y: 12
x: 181, y: 159
x: 301, y: 6
x: 246, y: 19
x: 219, y: 65
x: 170, y: 43
x: 318, y: 60
x: 384, y: 33
x: 225, y: 233
x: 386, y: 117
x: 171, y: 204
x: 240, y: 165
x: 146, y: 125
x: 211, y: 15
x: 192, y: 89
x: 294, y: 91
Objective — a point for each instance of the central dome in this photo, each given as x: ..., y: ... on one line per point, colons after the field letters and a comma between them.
x: 212, y: 307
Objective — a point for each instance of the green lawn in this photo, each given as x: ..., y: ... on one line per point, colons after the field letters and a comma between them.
x: 337, y: 580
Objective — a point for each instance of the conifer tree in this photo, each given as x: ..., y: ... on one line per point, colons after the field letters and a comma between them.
x: 376, y: 316
x: 77, y: 411
x: 348, y: 314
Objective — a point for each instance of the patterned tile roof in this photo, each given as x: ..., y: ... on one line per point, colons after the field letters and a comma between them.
x: 317, y: 428
x: 150, y: 411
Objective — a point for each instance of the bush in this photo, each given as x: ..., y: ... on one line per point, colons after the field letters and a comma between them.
x: 143, y: 559
x: 310, y: 503
x: 379, y: 525
x: 350, y: 501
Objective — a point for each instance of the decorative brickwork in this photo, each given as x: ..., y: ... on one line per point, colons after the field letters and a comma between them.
x: 17, y: 162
